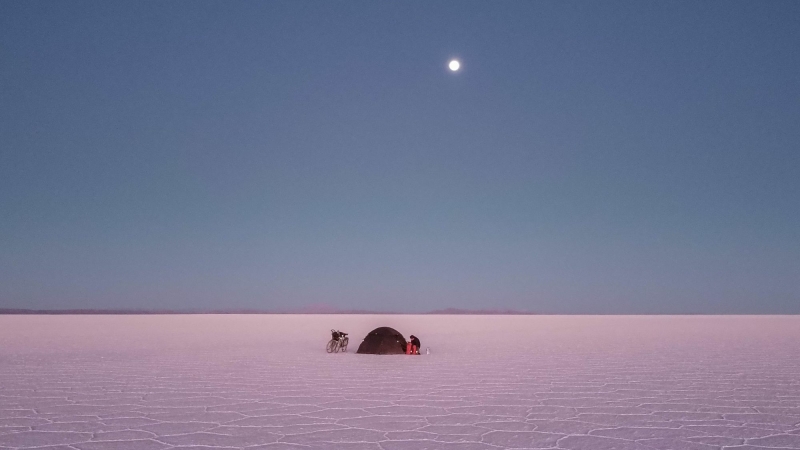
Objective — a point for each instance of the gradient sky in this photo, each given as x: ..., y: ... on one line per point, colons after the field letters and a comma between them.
x: 592, y: 157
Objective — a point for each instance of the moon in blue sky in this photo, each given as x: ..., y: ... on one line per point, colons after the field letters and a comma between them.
x: 293, y: 159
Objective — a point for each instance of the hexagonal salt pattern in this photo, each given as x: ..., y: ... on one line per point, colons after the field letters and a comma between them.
x: 491, y: 382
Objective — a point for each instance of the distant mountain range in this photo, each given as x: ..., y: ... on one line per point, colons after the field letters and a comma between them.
x: 313, y: 309
x: 482, y: 312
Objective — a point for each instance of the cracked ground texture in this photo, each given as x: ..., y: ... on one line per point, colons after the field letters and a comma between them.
x: 490, y: 382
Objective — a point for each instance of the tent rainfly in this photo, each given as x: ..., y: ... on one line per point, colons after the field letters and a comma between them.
x: 383, y: 341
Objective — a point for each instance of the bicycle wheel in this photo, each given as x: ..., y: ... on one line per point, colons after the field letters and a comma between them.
x: 345, y: 341
x: 333, y: 346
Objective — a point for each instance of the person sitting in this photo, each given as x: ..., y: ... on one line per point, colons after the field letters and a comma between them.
x: 415, y: 344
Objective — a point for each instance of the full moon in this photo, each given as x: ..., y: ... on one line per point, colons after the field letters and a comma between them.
x: 454, y: 65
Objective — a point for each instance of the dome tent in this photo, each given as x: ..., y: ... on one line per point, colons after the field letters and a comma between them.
x: 383, y: 341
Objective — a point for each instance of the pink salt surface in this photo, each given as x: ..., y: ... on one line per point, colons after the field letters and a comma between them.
x: 490, y: 382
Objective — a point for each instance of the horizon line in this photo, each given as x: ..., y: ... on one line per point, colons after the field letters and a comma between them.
x: 301, y: 311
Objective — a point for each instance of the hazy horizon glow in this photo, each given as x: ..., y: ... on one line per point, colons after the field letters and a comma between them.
x: 621, y: 157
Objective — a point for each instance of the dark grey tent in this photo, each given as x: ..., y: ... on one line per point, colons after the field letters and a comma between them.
x: 383, y: 341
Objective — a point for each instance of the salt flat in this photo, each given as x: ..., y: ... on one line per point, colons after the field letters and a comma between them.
x: 266, y: 382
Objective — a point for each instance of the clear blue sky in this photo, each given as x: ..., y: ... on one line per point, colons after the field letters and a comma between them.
x: 591, y: 157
